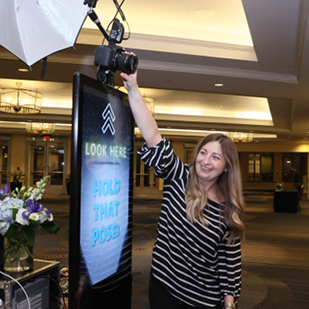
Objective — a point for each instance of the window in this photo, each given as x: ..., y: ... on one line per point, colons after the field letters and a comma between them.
x: 260, y: 167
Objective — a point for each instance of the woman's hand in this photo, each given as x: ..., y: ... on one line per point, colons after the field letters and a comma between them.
x: 229, y: 300
x: 129, y: 81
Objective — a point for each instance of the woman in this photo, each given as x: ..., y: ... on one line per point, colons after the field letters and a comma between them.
x: 196, y: 257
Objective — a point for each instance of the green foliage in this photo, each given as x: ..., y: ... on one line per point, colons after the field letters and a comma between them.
x: 18, y: 176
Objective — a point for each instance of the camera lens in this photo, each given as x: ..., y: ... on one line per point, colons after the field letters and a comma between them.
x: 126, y: 63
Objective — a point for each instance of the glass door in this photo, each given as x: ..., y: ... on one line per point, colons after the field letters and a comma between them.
x: 47, y: 158
x: 145, y: 182
x: 55, y: 165
x: 4, y: 158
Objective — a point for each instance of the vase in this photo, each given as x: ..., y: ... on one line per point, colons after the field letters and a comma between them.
x: 18, y: 255
x: 15, y: 185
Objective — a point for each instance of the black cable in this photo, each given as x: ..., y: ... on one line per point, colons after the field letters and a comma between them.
x: 59, y: 288
x: 119, y: 10
x: 129, y: 33
x: 43, y: 68
x: 118, y: 6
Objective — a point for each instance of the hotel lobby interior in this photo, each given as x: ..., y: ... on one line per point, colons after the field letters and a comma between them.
x: 230, y: 66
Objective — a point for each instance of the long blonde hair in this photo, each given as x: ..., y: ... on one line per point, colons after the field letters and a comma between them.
x: 229, y: 188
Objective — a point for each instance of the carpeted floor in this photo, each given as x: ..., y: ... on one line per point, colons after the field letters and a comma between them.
x: 275, y: 253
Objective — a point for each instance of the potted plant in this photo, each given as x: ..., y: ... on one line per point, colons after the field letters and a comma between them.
x: 279, y: 186
x: 17, y: 179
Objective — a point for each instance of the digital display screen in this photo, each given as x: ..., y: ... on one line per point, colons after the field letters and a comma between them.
x: 105, y: 146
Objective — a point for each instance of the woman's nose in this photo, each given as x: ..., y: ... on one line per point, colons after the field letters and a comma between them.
x: 206, y: 160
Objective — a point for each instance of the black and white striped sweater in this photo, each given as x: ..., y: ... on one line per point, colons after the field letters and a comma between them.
x: 192, y: 261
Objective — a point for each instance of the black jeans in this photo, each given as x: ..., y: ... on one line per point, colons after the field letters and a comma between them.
x: 160, y: 298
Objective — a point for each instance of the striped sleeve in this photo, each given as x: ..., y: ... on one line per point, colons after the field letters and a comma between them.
x: 166, y: 164
x: 229, y: 268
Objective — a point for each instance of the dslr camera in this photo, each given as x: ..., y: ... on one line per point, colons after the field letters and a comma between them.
x: 111, y: 58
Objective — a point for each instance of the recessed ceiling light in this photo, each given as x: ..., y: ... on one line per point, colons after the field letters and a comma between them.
x: 202, y: 13
x: 219, y: 85
x: 23, y: 70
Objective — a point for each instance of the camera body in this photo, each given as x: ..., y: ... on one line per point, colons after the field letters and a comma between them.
x: 111, y: 58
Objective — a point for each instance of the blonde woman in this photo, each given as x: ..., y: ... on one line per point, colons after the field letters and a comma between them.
x: 197, y: 255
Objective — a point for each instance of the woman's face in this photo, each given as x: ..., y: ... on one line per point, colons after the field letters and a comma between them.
x: 210, y: 163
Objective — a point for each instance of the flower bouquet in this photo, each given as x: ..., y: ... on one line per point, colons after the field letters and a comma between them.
x: 21, y: 215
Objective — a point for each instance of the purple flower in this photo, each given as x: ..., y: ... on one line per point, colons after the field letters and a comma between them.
x: 6, y: 191
x: 34, y: 206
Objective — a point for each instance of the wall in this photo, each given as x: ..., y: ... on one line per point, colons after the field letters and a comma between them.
x: 272, y: 147
x: 179, y: 149
x: 18, y: 152
x: 277, y: 167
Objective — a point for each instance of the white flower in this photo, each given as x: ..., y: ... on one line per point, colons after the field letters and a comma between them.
x: 42, y: 216
x: 20, y: 219
x: 34, y: 216
x: 6, y: 213
x: 50, y: 217
x: 39, y: 197
x: 4, y: 226
x: 34, y: 193
x: 17, y: 203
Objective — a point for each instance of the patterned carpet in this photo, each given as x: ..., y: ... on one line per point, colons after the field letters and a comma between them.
x: 275, y: 252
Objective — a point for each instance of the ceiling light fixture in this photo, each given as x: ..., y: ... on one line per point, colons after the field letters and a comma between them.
x: 240, y: 137
x: 40, y: 128
x: 219, y: 85
x: 20, y: 101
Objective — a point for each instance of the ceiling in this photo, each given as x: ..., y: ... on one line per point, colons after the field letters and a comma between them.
x: 257, y: 49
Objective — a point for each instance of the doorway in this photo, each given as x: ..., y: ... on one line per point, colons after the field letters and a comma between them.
x: 47, y: 159
x: 145, y: 182
x: 294, y: 166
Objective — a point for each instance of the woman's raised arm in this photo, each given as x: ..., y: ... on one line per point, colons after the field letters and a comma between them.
x: 141, y: 113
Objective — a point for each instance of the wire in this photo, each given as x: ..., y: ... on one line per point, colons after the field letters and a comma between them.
x: 119, y: 10
x: 59, y: 288
x: 118, y: 6
x: 20, y: 286
x: 129, y: 33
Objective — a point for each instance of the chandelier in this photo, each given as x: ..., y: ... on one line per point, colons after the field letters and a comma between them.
x: 20, y: 101
x: 40, y: 128
x: 240, y: 137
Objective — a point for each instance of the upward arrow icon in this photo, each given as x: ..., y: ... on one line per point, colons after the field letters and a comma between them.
x: 109, y: 117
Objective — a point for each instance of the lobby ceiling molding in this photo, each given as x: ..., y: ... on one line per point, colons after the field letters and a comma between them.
x: 218, y: 71
x: 175, y: 45
x: 209, y: 119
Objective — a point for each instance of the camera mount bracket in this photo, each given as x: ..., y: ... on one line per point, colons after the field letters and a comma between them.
x: 94, y: 17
